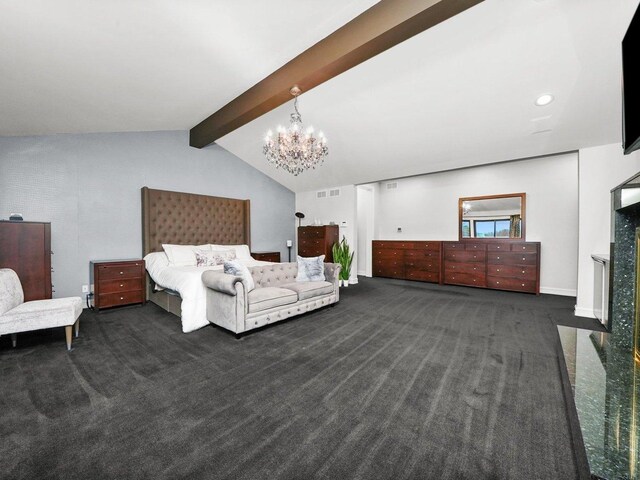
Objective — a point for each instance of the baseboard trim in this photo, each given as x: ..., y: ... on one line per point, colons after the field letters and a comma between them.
x: 565, y: 292
x: 584, y: 312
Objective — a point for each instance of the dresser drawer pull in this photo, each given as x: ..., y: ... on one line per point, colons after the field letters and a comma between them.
x: 522, y: 271
x: 524, y: 248
x: 523, y: 258
x: 121, y: 298
x: 523, y: 284
x: 497, y: 283
x: 121, y: 273
x: 497, y: 270
x: 498, y: 258
x: 122, y: 284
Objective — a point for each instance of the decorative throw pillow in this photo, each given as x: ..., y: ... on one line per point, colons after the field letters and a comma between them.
x: 211, y: 258
x: 237, y: 268
x: 310, y: 269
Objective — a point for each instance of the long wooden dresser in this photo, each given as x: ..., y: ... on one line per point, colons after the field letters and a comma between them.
x: 497, y: 265
x: 409, y: 260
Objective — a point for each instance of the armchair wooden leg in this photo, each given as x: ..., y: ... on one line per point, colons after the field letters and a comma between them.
x: 14, y: 339
x: 77, y: 327
x: 68, y: 332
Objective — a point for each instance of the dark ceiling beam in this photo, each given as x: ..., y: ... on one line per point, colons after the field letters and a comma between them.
x: 386, y: 24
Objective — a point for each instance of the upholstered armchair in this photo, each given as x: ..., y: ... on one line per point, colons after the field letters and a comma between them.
x: 17, y: 316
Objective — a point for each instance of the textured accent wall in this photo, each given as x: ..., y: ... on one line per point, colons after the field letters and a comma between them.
x: 88, y: 187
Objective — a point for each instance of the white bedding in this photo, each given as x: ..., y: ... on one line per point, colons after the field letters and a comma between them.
x: 187, y: 281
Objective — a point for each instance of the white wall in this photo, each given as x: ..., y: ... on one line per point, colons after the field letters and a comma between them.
x: 426, y: 207
x: 333, y: 209
x: 601, y: 169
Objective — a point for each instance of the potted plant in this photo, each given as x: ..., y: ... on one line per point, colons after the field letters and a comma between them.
x: 343, y: 255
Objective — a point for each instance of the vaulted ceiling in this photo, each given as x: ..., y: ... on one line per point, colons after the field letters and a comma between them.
x: 459, y: 94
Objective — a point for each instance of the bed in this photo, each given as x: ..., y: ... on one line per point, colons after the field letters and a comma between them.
x: 189, y: 219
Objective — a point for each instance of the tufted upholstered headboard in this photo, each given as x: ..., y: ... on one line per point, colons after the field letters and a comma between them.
x: 191, y: 219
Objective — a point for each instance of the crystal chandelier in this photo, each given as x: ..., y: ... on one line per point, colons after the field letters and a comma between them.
x: 294, y: 149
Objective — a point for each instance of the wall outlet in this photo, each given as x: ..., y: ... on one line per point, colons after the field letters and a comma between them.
x: 399, y: 229
x: 85, y: 288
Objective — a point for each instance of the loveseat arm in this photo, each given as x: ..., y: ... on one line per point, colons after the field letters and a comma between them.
x: 222, y: 282
x: 331, y: 272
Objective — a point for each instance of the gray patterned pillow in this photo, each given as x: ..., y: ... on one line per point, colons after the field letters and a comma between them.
x: 211, y: 258
x: 236, y: 267
x: 310, y: 269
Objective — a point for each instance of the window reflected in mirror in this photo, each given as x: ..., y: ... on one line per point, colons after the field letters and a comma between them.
x: 495, y: 216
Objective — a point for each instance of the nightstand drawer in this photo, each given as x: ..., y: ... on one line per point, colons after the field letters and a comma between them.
x: 131, y: 270
x: 117, y: 299
x: 124, y: 285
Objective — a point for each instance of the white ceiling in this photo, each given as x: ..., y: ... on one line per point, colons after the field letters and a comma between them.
x: 75, y: 66
x: 459, y: 94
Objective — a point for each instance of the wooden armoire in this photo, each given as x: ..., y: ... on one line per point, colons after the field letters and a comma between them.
x: 25, y: 247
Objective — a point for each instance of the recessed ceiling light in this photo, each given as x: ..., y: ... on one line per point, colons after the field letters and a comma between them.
x: 543, y: 100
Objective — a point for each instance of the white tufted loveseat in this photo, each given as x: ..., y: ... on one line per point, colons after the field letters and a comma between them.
x: 276, y: 295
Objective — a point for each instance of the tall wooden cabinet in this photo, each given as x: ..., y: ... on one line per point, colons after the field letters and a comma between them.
x: 25, y: 247
x: 314, y: 241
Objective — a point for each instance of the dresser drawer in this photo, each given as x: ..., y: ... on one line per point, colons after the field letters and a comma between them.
x: 498, y: 247
x: 126, y: 270
x: 523, y: 272
x: 475, y: 280
x: 512, y: 258
x: 500, y: 283
x: 449, y: 246
x: 465, y: 256
x: 310, y: 250
x: 427, y: 245
x: 430, y: 255
x: 388, y: 262
x: 477, y: 247
x: 424, y: 265
x: 422, y: 275
x: 386, y: 271
x: 311, y: 232
x: 117, y: 299
x: 388, y: 253
x: 124, y: 285
x: 457, y: 267
x: 524, y: 247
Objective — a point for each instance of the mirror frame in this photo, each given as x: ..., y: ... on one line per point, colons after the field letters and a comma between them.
x: 523, y: 209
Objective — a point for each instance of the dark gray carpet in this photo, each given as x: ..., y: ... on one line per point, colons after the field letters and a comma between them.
x: 400, y: 380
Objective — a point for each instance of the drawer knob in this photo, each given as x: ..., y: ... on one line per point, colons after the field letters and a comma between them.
x: 497, y: 269
x: 121, y: 298
x: 523, y: 258
x: 497, y: 283
x: 498, y: 258
x: 122, y: 284
x: 474, y: 268
x: 523, y: 284
x: 475, y: 256
x: 121, y: 273
x: 523, y: 248
x: 498, y: 248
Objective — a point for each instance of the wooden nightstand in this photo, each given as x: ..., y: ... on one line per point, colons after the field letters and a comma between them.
x: 117, y: 282
x: 267, y: 256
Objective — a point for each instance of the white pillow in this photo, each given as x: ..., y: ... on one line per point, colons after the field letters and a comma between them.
x: 310, y: 269
x: 155, y: 260
x: 183, y: 255
x: 236, y: 267
x: 242, y: 251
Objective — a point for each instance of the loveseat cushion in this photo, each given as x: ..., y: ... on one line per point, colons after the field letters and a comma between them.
x: 265, y: 298
x: 310, y: 289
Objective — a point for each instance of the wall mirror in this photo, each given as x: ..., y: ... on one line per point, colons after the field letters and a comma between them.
x: 495, y: 217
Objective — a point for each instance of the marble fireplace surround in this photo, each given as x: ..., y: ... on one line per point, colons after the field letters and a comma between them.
x: 625, y: 215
